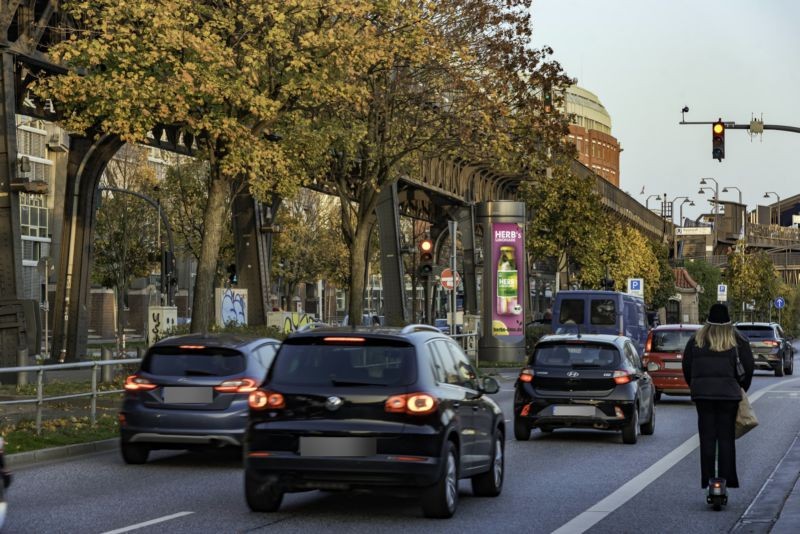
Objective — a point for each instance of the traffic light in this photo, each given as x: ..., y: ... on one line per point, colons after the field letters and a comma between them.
x: 547, y: 98
x: 233, y: 278
x: 718, y: 140
x: 425, y: 257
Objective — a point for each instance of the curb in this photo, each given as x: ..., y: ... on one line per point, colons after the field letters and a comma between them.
x: 28, y: 458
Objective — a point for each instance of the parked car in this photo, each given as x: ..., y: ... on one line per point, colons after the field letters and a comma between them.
x: 6, y: 474
x: 663, y: 357
x: 373, y: 408
x: 192, y: 391
x: 589, y: 381
x: 601, y: 312
x: 772, y: 348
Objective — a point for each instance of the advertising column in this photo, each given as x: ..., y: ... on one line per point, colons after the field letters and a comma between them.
x: 503, y: 321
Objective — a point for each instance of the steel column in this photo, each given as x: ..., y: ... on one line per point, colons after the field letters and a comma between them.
x: 392, y: 270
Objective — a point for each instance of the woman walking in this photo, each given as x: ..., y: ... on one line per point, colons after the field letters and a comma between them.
x: 709, y: 366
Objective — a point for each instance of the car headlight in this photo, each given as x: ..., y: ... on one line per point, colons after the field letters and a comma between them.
x: 653, y: 366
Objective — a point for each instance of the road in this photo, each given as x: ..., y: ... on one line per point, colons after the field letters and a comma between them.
x: 552, y: 482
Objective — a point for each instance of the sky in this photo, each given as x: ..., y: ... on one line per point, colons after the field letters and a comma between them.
x: 646, y: 59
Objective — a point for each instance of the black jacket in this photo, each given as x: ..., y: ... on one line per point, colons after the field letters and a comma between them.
x: 712, y: 375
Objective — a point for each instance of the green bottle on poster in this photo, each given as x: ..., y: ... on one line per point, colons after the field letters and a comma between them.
x: 507, y: 282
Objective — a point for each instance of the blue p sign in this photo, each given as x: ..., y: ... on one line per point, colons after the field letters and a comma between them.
x: 636, y: 285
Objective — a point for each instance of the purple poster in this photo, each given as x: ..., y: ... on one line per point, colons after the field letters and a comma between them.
x: 508, y: 314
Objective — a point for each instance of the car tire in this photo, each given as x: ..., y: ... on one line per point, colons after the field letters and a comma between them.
x: 630, y: 432
x: 261, y: 495
x: 440, y: 500
x: 134, y: 453
x: 650, y: 426
x: 789, y: 370
x: 779, y: 369
x: 490, y: 483
x: 522, y: 430
x: 657, y: 397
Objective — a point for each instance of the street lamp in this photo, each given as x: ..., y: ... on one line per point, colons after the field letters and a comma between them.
x: 672, y: 203
x: 766, y: 195
x: 716, y: 208
x: 691, y: 203
x: 744, y: 209
x: 647, y: 200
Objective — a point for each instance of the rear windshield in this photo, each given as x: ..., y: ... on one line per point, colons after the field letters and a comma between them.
x: 576, y: 355
x: 757, y: 332
x: 603, y: 312
x: 344, y: 364
x: 670, y: 340
x: 174, y: 361
x: 571, y: 311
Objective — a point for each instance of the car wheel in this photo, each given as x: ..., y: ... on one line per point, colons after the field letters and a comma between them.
x: 779, y: 369
x: 790, y: 370
x: 134, y: 453
x: 490, y: 483
x: 261, y: 495
x: 522, y: 431
x: 630, y: 432
x: 657, y: 397
x: 650, y: 426
x: 441, y: 499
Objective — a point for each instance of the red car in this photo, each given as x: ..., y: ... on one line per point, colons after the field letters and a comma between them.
x: 663, y: 357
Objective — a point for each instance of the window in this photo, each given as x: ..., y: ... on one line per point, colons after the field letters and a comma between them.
x: 571, y: 311
x: 447, y: 371
x: 632, y: 356
x: 265, y: 354
x: 671, y: 340
x: 466, y: 373
x: 603, y: 312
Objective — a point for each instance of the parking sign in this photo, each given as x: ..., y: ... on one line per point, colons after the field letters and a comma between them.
x: 636, y: 287
x: 722, y: 293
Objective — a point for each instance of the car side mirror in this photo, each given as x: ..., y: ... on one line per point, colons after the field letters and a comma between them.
x: 490, y: 385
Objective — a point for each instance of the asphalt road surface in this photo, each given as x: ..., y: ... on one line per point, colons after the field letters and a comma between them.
x: 567, y: 481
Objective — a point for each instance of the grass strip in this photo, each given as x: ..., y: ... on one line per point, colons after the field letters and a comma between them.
x: 21, y: 436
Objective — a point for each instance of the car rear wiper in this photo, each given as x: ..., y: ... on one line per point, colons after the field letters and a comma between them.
x: 198, y: 372
x: 353, y: 382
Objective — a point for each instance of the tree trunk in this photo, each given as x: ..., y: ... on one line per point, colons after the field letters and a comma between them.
x: 358, y: 268
x: 213, y: 221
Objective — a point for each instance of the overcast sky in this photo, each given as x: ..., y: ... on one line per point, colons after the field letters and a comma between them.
x: 646, y: 59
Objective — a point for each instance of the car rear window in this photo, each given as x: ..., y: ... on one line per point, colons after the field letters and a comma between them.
x: 357, y: 363
x: 671, y: 340
x: 603, y: 312
x: 576, y: 355
x: 209, y: 361
x: 571, y: 311
x: 757, y: 332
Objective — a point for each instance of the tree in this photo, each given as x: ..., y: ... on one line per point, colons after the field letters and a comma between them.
x: 666, y: 276
x: 752, y: 279
x: 708, y: 277
x: 229, y: 73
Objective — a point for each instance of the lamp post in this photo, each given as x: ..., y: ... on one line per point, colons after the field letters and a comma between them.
x: 744, y: 209
x: 716, y: 209
x: 680, y: 223
x: 672, y: 203
x: 647, y: 200
x: 766, y: 195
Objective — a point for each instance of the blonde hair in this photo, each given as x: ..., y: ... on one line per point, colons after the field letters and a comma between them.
x: 719, y: 337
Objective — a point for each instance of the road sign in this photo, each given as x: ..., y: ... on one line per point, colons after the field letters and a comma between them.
x: 636, y: 286
x: 722, y: 293
x: 780, y: 303
x: 447, y: 279
x: 693, y: 230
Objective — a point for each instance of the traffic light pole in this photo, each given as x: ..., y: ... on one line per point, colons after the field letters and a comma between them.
x: 734, y: 126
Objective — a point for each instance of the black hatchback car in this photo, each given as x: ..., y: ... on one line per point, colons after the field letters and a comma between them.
x: 772, y: 348
x: 192, y: 391
x: 589, y: 381
x: 369, y: 409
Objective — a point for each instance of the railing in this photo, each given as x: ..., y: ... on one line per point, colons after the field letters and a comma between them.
x: 40, y: 399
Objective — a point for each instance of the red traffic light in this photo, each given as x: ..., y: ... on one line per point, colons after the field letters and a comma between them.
x: 718, y: 140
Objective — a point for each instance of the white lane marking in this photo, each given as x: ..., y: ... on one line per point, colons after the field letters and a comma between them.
x: 148, y: 523
x: 596, y: 513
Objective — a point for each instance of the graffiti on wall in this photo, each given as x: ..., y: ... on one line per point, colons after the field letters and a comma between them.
x: 231, y: 306
x: 288, y: 322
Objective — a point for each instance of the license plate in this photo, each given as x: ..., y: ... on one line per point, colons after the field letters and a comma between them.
x: 579, y: 411
x: 314, y: 446
x: 673, y: 365
x: 188, y: 395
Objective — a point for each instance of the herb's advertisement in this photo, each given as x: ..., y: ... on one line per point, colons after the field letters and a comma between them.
x: 507, y: 258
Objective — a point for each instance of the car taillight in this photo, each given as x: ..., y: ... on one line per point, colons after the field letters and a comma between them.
x: 237, y: 385
x: 526, y: 375
x: 648, y: 345
x: 266, y: 400
x: 621, y: 377
x: 771, y: 343
x: 412, y: 404
x: 138, y: 383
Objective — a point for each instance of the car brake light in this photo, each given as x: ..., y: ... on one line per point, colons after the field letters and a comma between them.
x: 621, y: 377
x: 771, y: 343
x: 648, y: 345
x: 343, y: 339
x: 526, y: 375
x: 266, y: 400
x: 412, y: 404
x: 192, y: 347
x: 238, y: 385
x: 137, y: 383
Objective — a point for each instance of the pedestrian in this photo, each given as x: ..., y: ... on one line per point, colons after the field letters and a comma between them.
x: 709, y: 367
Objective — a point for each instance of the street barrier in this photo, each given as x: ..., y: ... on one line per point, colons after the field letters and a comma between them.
x: 40, y: 371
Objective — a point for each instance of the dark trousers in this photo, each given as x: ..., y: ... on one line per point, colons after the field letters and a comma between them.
x: 716, y: 422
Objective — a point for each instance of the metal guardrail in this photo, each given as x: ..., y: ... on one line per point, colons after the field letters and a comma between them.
x: 40, y: 371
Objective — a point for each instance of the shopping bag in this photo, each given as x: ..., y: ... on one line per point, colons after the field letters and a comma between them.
x: 745, y: 417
